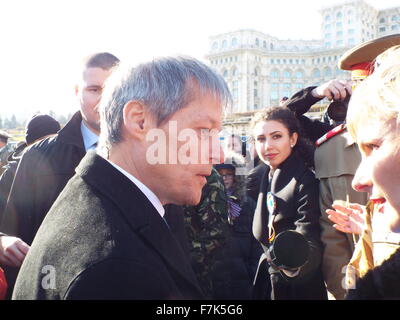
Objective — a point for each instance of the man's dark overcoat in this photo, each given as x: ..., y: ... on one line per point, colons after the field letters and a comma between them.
x: 105, y: 240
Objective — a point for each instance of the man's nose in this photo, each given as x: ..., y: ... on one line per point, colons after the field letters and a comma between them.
x: 362, y: 181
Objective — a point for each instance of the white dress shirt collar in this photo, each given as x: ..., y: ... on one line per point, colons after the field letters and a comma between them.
x: 89, y: 138
x: 147, y: 192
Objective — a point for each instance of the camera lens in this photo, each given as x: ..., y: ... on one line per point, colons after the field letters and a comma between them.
x: 337, y: 109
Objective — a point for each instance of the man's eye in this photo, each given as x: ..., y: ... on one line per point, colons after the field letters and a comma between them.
x: 94, y: 90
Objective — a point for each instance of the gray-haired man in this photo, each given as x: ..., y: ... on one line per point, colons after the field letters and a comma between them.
x: 105, y: 236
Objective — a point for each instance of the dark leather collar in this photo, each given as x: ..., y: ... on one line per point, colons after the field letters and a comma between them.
x: 71, y: 133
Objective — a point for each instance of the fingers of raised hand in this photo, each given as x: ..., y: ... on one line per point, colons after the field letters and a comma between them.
x: 345, y: 229
x: 344, y: 210
x: 337, y: 217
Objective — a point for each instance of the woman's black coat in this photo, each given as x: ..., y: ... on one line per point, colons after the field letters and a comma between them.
x: 295, y: 190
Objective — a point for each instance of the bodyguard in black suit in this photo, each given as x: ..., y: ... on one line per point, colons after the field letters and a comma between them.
x: 46, y: 167
x: 106, y: 236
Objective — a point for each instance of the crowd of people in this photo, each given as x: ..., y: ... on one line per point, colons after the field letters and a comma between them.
x: 136, y: 198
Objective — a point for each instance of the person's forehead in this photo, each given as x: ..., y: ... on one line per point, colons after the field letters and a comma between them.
x: 269, y: 126
x: 225, y: 171
x: 95, y: 76
x: 373, y: 128
x: 203, y: 110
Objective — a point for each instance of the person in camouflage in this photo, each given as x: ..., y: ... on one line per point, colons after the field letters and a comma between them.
x: 207, y: 228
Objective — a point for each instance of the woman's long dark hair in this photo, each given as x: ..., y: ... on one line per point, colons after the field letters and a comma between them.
x: 303, y: 148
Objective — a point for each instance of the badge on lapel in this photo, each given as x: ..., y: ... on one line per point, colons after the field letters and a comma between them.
x: 271, y: 203
x: 271, y: 206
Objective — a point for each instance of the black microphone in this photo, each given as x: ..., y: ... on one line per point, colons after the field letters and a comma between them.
x: 289, y: 250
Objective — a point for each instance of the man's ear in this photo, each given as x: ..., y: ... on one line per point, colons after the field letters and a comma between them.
x: 135, y: 119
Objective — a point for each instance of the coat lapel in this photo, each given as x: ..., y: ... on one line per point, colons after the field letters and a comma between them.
x: 283, y: 177
x: 260, y: 220
x: 139, y: 213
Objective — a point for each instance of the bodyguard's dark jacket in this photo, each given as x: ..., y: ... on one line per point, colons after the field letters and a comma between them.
x: 7, y: 177
x: 43, y: 172
x: 295, y: 190
x: 105, y: 240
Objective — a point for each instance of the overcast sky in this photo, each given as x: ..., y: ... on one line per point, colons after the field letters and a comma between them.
x: 42, y: 41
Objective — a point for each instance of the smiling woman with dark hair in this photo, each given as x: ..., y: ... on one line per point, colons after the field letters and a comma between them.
x: 288, y: 200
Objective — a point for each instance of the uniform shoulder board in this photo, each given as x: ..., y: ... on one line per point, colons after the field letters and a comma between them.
x: 340, y: 128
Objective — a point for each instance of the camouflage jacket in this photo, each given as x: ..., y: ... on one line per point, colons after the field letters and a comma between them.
x: 207, y: 229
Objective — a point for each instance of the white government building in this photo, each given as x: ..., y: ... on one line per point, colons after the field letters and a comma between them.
x: 260, y: 68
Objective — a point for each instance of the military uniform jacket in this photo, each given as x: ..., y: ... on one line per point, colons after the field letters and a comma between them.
x: 336, y: 162
x: 105, y: 240
x: 295, y: 190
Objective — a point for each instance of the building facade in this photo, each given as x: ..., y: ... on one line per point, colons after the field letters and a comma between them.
x: 260, y: 68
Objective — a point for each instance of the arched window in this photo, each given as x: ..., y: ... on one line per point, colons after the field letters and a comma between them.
x: 264, y: 44
x: 234, y: 72
x: 395, y: 18
x: 287, y: 74
x: 299, y: 74
x: 235, y: 89
x: 215, y: 45
x: 225, y: 73
x: 224, y: 44
x: 256, y: 72
x: 316, y: 73
x: 327, y: 72
x: 274, y: 74
x: 382, y: 20
x: 234, y: 42
x: 257, y: 42
x: 339, y: 15
x: 286, y: 92
x: 327, y: 18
